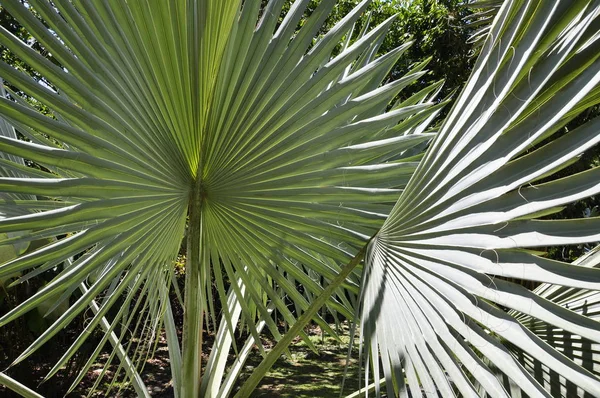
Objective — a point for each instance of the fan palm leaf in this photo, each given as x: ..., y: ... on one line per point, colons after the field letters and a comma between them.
x: 581, y: 350
x: 467, y: 219
x: 272, y: 152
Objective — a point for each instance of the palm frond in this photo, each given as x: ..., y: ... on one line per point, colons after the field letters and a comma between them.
x: 484, y: 12
x: 581, y: 350
x: 277, y: 149
x: 467, y: 217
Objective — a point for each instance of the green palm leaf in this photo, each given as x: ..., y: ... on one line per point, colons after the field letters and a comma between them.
x: 277, y: 150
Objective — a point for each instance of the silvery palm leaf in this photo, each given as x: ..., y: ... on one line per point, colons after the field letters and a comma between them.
x: 435, y: 295
x: 581, y: 350
x: 274, y: 152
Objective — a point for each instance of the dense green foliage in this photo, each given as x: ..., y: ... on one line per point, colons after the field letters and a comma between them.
x: 439, y: 29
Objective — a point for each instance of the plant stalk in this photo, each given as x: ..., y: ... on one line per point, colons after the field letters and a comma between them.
x: 193, y: 300
x: 266, y: 364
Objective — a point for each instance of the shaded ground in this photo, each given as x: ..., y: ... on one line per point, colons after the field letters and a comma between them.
x: 306, y: 374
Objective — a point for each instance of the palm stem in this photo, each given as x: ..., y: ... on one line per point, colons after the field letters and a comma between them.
x: 193, y: 301
x: 299, y: 325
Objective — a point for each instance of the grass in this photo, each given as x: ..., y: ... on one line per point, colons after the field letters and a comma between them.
x: 307, y: 374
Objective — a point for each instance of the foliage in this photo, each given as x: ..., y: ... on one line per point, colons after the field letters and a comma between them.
x: 438, y: 28
x: 15, y: 28
x: 284, y: 154
x: 151, y: 163
x: 469, y: 214
x: 440, y: 33
x: 584, y: 208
